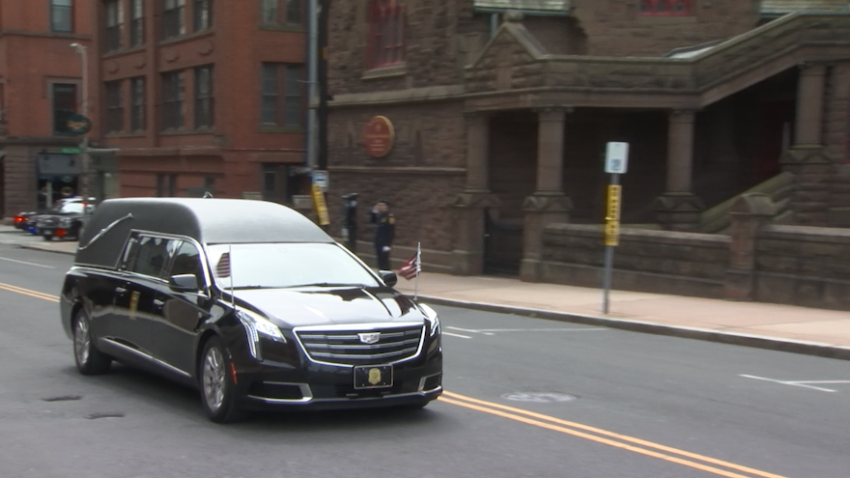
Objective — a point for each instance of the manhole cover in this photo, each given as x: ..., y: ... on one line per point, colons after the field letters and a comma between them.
x: 95, y: 416
x: 63, y: 398
x: 538, y: 397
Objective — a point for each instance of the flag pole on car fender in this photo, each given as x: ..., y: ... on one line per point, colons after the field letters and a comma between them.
x: 418, y: 263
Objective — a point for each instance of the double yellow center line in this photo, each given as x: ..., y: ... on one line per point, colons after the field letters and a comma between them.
x: 624, y: 442
x: 27, y: 292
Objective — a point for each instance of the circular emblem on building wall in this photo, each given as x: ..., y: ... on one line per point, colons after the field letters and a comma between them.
x: 171, y: 55
x: 378, y: 136
x: 140, y: 62
x: 205, y: 48
x: 112, y: 66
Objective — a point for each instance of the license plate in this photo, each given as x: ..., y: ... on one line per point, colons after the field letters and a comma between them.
x: 378, y: 376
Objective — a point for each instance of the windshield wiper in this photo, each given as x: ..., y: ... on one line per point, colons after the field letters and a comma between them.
x: 327, y: 284
x: 249, y: 287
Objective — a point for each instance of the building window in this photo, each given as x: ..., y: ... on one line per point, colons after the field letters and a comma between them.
x: 386, y: 33
x: 204, y: 102
x: 114, y: 107
x: 166, y: 185
x: 666, y: 8
x: 172, y: 18
x: 114, y: 25
x: 172, y: 100
x: 137, y: 22
x: 283, y: 98
x: 137, y: 113
x: 283, y: 12
x: 62, y: 16
x: 64, y: 106
x: 203, y: 14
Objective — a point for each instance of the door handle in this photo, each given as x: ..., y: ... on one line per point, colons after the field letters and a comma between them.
x: 158, y: 303
x: 120, y: 290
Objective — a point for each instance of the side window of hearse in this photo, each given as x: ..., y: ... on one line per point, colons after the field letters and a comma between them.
x: 151, y: 257
x: 130, y: 251
x: 188, y: 261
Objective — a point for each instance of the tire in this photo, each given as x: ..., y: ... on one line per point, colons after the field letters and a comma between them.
x: 47, y: 237
x: 90, y: 360
x: 219, y: 395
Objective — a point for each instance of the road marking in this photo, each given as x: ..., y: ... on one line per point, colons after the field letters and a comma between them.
x: 27, y: 292
x: 456, y: 335
x: 800, y: 383
x: 559, y: 425
x: 492, y: 331
x: 26, y: 263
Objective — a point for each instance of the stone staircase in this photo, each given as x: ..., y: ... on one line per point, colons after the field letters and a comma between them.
x: 780, y: 188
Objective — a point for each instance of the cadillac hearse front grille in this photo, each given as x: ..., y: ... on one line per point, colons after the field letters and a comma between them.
x: 362, y: 347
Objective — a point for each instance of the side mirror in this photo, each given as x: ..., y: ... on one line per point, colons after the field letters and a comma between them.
x: 184, y: 282
x: 389, y: 278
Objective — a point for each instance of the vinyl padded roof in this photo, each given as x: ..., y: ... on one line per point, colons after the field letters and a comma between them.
x: 209, y: 221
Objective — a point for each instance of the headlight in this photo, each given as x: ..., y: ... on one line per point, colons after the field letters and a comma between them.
x: 255, y: 326
x: 431, y: 317
x: 66, y: 222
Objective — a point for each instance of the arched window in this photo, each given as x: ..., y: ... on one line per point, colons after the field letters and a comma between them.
x: 666, y: 8
x: 386, y: 33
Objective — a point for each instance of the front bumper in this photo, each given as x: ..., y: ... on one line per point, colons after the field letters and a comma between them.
x: 323, y: 387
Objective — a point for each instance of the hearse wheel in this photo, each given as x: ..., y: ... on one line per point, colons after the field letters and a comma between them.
x: 47, y: 237
x: 90, y: 360
x: 218, y: 393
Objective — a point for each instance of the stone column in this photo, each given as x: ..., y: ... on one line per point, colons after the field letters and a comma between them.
x: 470, y: 205
x: 749, y: 214
x: 808, y: 160
x: 548, y: 204
x: 810, y: 105
x: 679, y: 208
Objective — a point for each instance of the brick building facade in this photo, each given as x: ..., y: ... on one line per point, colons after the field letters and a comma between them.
x: 40, y: 87
x: 203, y: 96
x: 501, y: 110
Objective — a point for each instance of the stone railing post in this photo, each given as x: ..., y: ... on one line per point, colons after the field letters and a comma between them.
x: 749, y: 214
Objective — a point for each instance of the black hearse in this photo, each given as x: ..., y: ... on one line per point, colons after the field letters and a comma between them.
x: 248, y: 301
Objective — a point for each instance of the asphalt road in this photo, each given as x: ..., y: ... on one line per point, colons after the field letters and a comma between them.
x: 525, y: 398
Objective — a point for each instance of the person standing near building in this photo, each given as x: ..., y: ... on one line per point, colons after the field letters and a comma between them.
x: 384, y: 233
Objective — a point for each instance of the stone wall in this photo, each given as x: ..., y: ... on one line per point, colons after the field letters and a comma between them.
x: 614, y: 27
x: 804, y: 266
x: 652, y: 261
x: 798, y: 265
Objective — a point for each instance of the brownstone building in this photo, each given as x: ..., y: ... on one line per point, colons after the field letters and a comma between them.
x: 501, y: 109
x: 203, y: 96
x: 40, y: 87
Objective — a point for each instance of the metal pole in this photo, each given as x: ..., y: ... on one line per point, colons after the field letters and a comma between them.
x: 312, y: 81
x: 609, y: 260
x: 324, y: 96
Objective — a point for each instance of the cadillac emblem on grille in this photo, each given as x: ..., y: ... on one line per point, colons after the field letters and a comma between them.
x: 370, y: 338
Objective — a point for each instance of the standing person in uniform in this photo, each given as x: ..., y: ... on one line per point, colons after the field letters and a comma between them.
x: 384, y: 233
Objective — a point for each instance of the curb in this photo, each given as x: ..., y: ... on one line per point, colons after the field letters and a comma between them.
x: 44, y: 249
x: 756, y: 341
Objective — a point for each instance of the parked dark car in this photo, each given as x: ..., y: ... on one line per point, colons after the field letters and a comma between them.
x: 64, y: 221
x: 251, y: 303
x: 28, y: 221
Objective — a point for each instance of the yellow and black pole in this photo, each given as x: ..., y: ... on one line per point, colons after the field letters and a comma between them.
x: 616, y: 160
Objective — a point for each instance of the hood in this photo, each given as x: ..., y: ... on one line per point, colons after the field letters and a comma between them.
x: 332, y: 306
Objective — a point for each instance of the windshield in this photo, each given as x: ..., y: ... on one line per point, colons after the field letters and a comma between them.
x: 286, y: 265
x: 71, y: 208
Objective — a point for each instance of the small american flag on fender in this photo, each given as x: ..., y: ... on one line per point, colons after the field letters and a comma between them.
x: 222, y: 269
x: 411, y: 267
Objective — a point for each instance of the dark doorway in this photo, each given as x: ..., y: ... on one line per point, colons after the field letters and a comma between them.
x: 775, y: 129
x: 513, y: 177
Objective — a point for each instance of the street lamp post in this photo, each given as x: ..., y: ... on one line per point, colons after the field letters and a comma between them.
x: 84, y: 144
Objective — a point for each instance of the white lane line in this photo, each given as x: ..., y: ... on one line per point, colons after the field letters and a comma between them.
x: 543, y: 330
x: 784, y: 382
x: 464, y: 330
x: 26, y: 263
x: 456, y: 335
x: 822, y: 381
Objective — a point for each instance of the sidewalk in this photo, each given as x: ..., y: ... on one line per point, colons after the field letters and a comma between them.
x: 772, y: 326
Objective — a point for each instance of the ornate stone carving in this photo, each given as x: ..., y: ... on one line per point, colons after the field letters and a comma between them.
x: 679, y: 211
x: 205, y: 47
x: 815, y: 154
x: 171, y: 55
x: 112, y: 66
x: 476, y: 199
x: 556, y: 202
x: 140, y: 61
